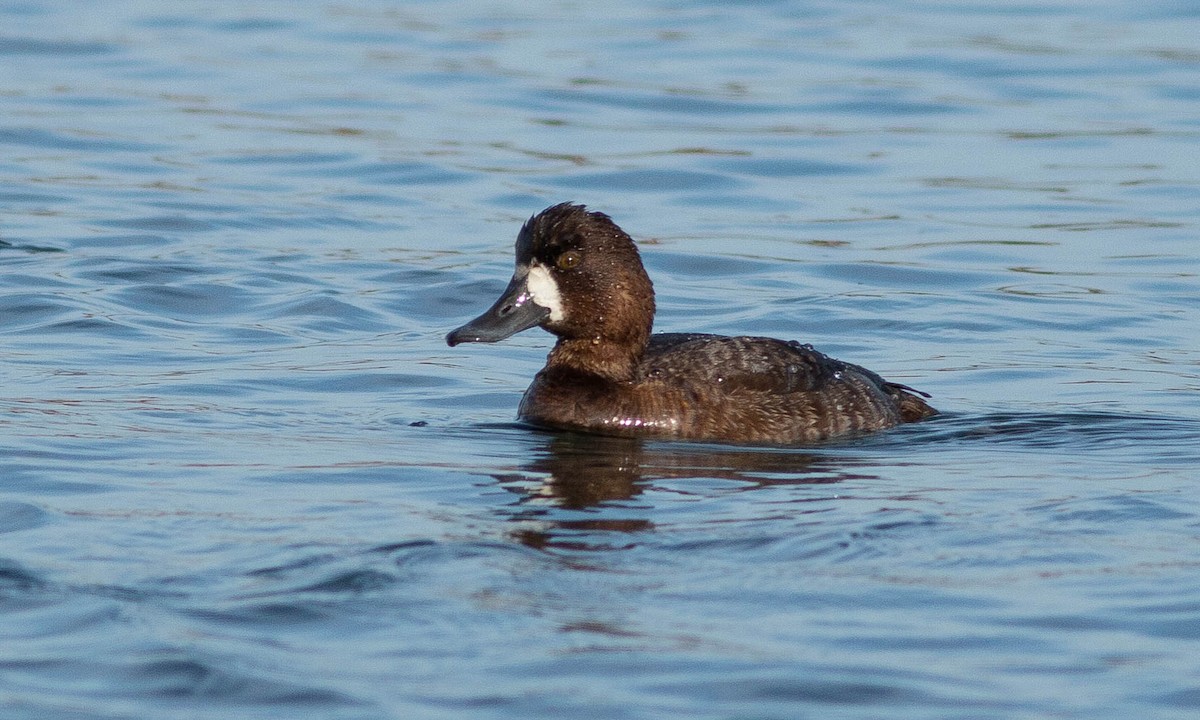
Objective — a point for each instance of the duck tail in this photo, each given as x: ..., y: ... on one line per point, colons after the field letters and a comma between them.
x: 911, y: 401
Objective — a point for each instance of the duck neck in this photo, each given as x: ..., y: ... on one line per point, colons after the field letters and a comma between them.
x: 611, y: 344
x: 616, y: 362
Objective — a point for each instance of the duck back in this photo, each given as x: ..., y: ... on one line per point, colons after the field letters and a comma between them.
x: 712, y: 387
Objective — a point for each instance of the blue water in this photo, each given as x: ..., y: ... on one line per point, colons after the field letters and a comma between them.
x: 243, y: 476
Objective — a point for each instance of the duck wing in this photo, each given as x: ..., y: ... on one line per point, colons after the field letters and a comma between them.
x: 766, y: 365
x: 744, y: 363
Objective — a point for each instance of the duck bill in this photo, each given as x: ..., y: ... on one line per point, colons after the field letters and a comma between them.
x: 513, y: 312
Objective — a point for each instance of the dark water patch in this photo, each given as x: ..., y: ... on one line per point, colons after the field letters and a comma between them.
x: 392, y: 173
x: 128, y: 271
x: 28, y: 248
x: 708, y: 266
x: 253, y: 25
x: 304, y: 562
x: 46, y: 139
x: 195, y: 207
x: 29, y: 478
x: 391, y: 202
x: 119, y: 241
x: 672, y: 103
x: 326, y: 313
x: 648, y: 180
x: 735, y: 201
x: 895, y: 275
x: 33, y: 198
x: 163, y: 224
x: 381, y: 474
x: 408, y: 279
x: 1186, y: 629
x: 1100, y: 511
x: 395, y: 575
x: 202, y: 301
x: 350, y: 581
x: 257, y: 614
x: 1064, y: 623
x: 1187, y: 93
x: 287, y: 158
x: 17, y: 46
x: 105, y: 102
x: 1116, y: 224
x: 1009, y: 67
x: 440, y: 305
x: 973, y: 642
x: 306, y: 221
x: 32, y: 310
x: 813, y: 530
x: 102, y: 328
x: 1188, y: 699
x: 16, y: 516
x: 181, y: 675
x: 356, y: 382
x: 435, y: 554
x: 886, y: 106
x: 14, y: 579
x: 258, y: 336
x: 761, y: 693
x: 1162, y: 438
x: 169, y: 22
x: 770, y: 167
x: 772, y: 688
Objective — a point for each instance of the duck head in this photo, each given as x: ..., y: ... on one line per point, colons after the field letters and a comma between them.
x: 578, y: 276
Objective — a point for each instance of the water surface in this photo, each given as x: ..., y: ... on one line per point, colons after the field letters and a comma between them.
x: 245, y: 478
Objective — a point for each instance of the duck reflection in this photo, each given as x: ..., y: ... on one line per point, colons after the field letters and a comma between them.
x: 600, y: 479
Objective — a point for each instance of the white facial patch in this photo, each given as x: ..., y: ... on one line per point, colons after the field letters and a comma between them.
x: 543, y: 289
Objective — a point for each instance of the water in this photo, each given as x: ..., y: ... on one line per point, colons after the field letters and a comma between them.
x: 243, y: 476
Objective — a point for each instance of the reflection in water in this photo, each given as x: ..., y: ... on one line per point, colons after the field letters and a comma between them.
x: 599, y: 475
x: 578, y: 484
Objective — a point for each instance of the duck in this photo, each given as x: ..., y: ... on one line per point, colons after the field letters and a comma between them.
x: 579, y: 276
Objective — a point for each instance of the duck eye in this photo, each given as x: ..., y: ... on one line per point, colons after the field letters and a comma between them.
x: 568, y: 260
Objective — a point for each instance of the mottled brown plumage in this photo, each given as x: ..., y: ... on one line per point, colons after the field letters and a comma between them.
x: 579, y: 276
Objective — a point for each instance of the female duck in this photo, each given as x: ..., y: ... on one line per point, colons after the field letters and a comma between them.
x: 579, y: 277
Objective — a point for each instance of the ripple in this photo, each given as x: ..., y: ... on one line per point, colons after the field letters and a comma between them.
x: 163, y: 224
x: 144, y: 272
x: 34, y: 137
x: 178, y: 674
x: 186, y: 300
x: 37, y: 46
x: 355, y: 581
x: 787, y: 168
x: 674, y: 103
x: 14, y: 578
x: 16, y: 516
x: 327, y: 314
x: 357, y: 382
x: 287, y: 158
x: 245, y: 477
x: 1118, y: 509
x: 1175, y: 437
x: 34, y: 310
x: 648, y: 180
x: 394, y: 173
